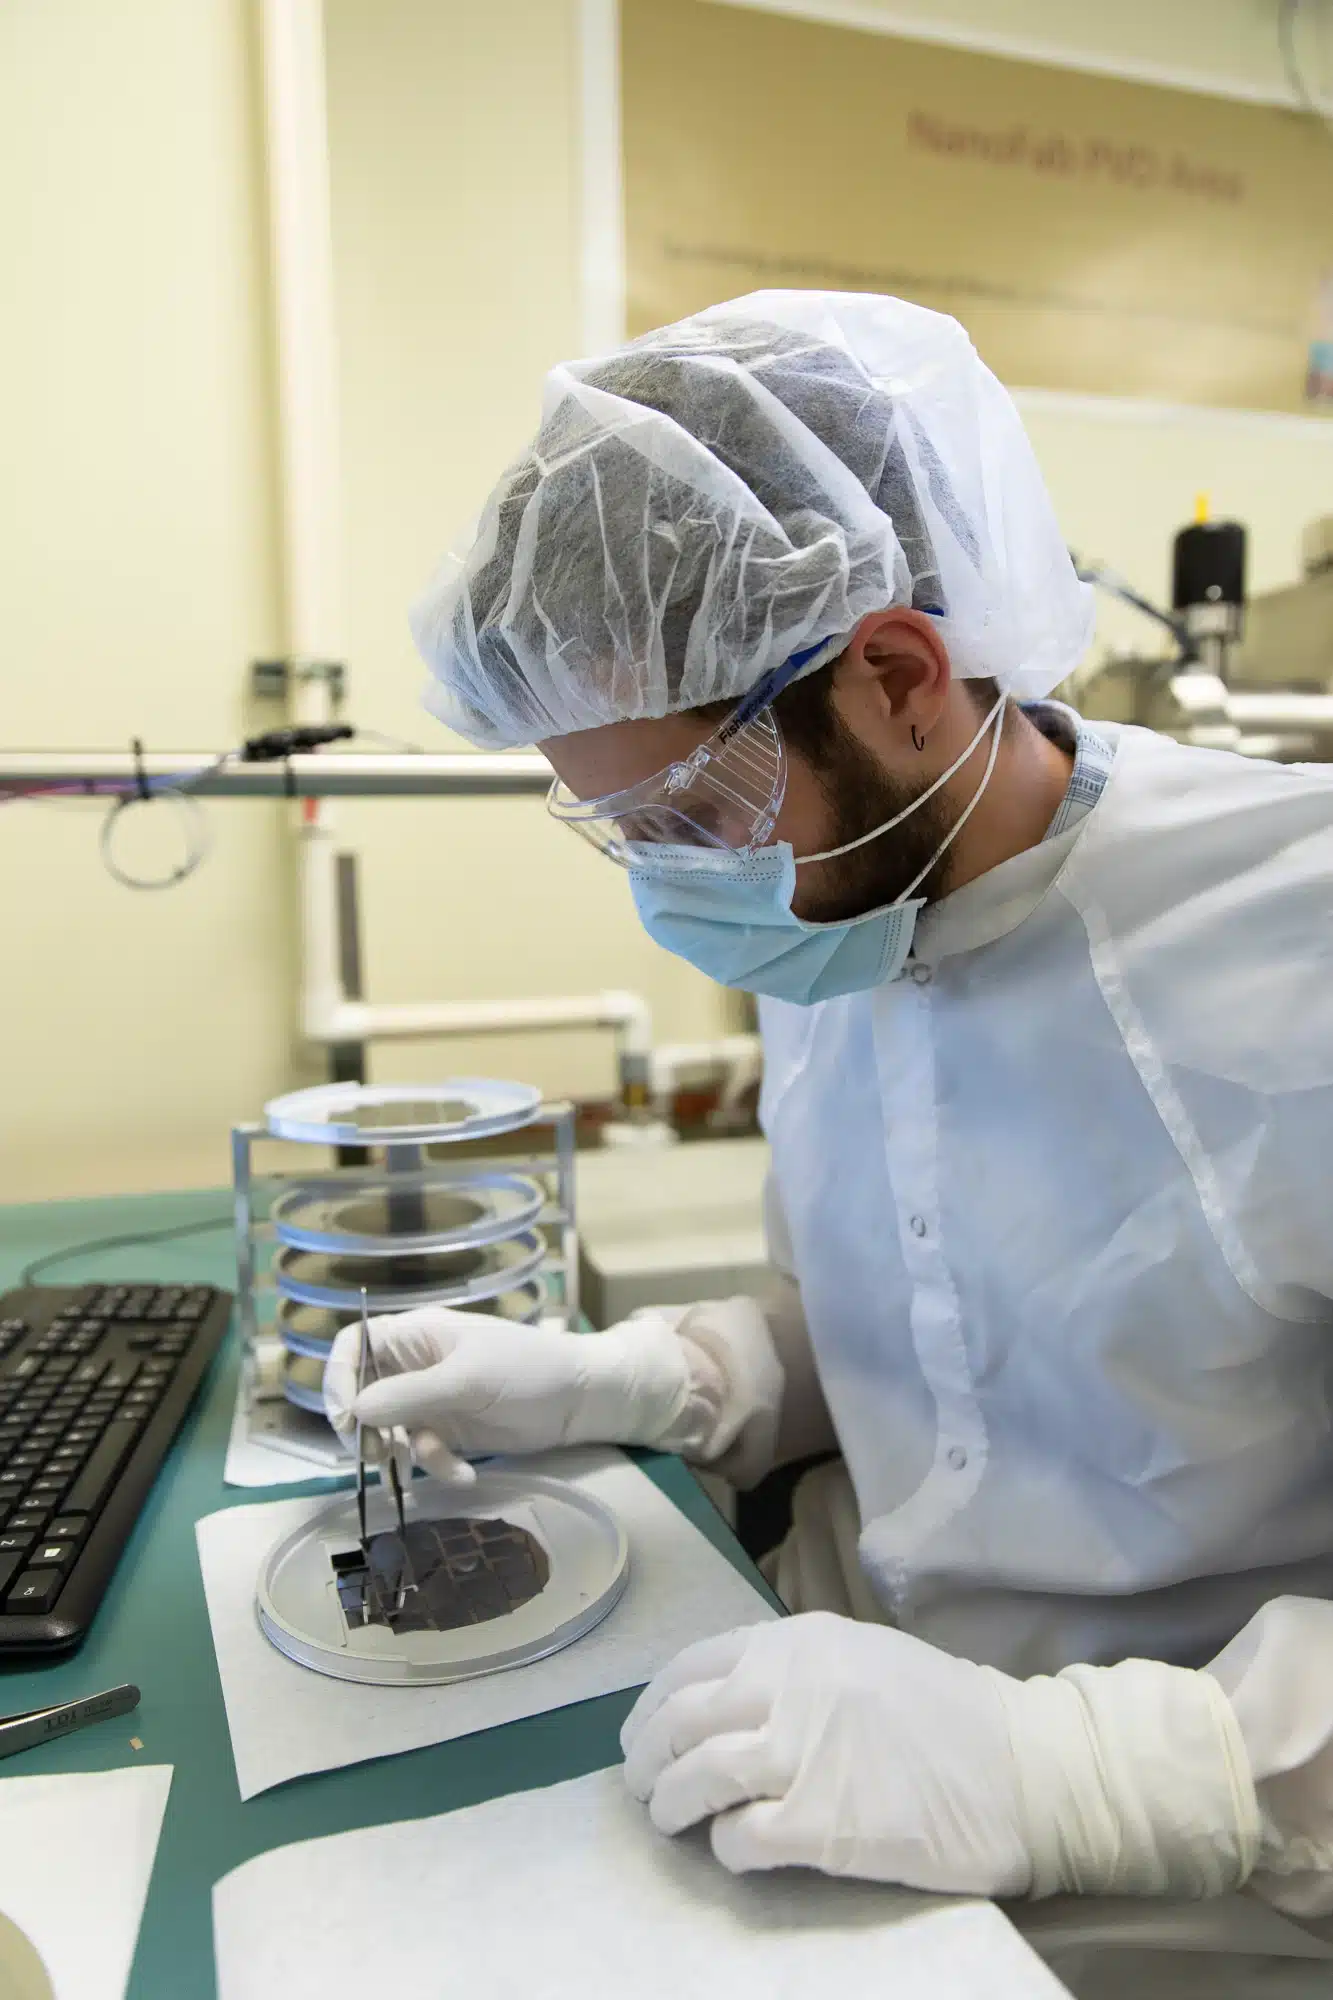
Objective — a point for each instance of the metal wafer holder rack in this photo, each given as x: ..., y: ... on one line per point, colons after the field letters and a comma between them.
x: 404, y: 1197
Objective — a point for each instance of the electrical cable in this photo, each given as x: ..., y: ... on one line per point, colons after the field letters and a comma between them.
x: 176, y: 788
x: 198, y: 839
x: 1115, y: 586
x: 28, y: 1275
x: 174, y: 791
x: 398, y: 744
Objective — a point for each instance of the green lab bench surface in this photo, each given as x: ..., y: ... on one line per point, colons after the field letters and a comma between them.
x: 153, y: 1629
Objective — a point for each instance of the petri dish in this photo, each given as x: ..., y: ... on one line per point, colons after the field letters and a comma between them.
x: 537, y: 1563
x: 313, y: 1329
x: 405, y: 1213
x: 384, y: 1114
x: 395, y: 1284
x: 303, y: 1382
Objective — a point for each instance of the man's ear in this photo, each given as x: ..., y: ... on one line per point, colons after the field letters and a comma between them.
x: 894, y: 672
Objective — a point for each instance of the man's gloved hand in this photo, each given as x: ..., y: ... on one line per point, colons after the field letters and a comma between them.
x: 859, y: 1750
x: 465, y: 1384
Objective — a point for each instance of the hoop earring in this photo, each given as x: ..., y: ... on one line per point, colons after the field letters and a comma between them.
x: 918, y: 742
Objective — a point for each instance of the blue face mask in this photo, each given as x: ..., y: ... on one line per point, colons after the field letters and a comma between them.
x: 730, y: 914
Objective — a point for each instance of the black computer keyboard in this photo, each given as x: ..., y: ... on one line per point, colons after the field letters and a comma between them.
x: 94, y: 1382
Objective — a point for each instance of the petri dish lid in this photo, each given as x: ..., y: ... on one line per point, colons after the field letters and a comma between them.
x: 395, y: 1284
x: 313, y: 1329
x: 401, y: 1213
x: 399, y: 1114
x: 586, y: 1558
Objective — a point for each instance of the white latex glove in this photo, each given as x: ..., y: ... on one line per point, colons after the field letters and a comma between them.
x: 859, y: 1750
x: 465, y: 1384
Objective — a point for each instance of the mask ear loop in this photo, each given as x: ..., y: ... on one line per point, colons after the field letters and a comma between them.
x: 963, y: 817
x: 849, y: 847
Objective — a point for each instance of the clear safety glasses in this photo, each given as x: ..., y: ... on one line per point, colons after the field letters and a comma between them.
x: 727, y: 794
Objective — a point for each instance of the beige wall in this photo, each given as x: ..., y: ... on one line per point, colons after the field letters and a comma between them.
x: 139, y: 569
x: 137, y: 576
x: 454, y: 134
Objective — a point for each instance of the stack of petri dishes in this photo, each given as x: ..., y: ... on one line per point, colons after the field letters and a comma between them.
x: 398, y: 1221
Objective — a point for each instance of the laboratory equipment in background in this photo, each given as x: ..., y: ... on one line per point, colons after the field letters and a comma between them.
x: 1208, y: 589
x: 457, y: 1194
x: 670, y: 1226
x: 1250, y: 674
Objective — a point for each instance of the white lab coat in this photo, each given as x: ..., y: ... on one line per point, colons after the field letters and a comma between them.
x: 1058, y: 1206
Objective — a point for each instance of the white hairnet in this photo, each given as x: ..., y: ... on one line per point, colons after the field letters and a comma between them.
x: 710, y: 499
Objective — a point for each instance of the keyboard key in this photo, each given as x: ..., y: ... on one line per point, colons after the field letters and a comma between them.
x: 30, y: 1522
x: 89, y: 1372
x: 58, y: 1554
x: 14, y: 1545
x: 95, y: 1481
x: 67, y: 1528
x: 24, y: 1368
x: 45, y: 1492
x: 10, y: 1565
x: 35, y: 1591
x: 144, y: 1342
x: 119, y: 1376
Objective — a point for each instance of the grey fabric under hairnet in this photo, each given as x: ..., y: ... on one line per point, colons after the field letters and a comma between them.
x: 720, y: 494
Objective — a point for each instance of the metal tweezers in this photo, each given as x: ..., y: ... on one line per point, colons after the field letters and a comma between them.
x: 41, y: 1725
x: 367, y: 1370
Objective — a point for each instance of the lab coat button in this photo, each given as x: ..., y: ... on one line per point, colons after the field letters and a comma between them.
x: 922, y: 974
x: 957, y: 1455
x: 918, y: 1225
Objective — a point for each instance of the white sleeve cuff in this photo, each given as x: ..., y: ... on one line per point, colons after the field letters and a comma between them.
x: 1135, y: 1782
x: 728, y: 1419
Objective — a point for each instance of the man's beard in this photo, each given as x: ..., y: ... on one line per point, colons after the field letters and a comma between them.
x: 862, y: 795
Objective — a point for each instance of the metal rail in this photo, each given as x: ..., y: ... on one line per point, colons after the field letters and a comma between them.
x: 463, y: 775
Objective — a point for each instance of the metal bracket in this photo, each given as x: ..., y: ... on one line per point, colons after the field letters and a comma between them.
x: 271, y: 679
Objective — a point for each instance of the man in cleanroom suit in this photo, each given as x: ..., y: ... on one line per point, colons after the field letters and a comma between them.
x: 1047, y: 1012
